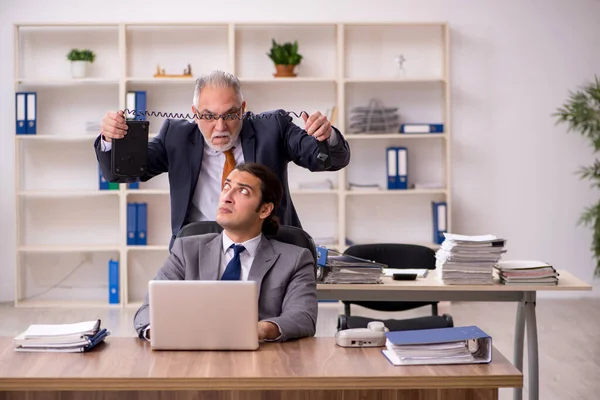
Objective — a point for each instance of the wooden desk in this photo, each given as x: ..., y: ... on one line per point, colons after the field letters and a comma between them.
x: 311, y: 368
x: 431, y: 288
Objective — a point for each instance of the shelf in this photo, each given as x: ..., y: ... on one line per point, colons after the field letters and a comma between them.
x: 381, y: 136
x: 344, y: 65
x: 396, y: 192
x: 297, y: 79
x: 67, y: 82
x: 58, y: 138
x: 75, y: 303
x: 149, y: 248
x: 68, y: 249
x: 161, y: 81
x: 395, y: 80
x: 68, y: 193
x: 162, y: 192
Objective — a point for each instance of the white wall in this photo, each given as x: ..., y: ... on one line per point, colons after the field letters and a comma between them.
x: 513, y: 63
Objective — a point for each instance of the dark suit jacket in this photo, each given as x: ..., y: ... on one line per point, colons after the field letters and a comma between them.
x: 270, y: 138
x: 285, y: 274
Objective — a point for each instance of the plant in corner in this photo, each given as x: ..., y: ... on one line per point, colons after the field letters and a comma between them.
x: 285, y: 57
x: 581, y: 112
x: 80, y: 60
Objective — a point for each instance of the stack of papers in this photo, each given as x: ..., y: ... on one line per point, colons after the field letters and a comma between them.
x: 65, y: 338
x: 468, y: 260
x: 526, y: 272
x: 343, y: 268
x: 456, y: 345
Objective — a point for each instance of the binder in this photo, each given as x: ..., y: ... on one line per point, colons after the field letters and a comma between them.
x: 140, y: 103
x: 422, y: 128
x: 130, y: 104
x: 141, y: 224
x: 113, y: 281
x: 31, y: 113
x: 131, y: 223
x: 402, y: 178
x: 102, y: 183
x: 136, y: 101
x: 455, y: 345
x: 20, y: 113
x: 392, y: 168
x: 440, y: 220
x: 134, y: 185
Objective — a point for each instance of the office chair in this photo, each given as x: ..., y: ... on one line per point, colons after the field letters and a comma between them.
x: 400, y: 256
x: 285, y: 234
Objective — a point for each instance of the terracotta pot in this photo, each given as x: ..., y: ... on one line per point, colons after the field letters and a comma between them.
x: 284, y: 70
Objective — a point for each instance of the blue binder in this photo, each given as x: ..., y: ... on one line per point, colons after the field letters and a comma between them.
x: 31, y: 113
x: 134, y: 185
x: 402, y: 178
x: 21, y: 112
x: 140, y: 103
x: 392, y: 168
x: 103, y: 183
x: 136, y: 100
x: 142, y: 224
x: 422, y: 128
x: 113, y: 281
x: 476, y: 346
x: 131, y: 223
x: 439, y: 212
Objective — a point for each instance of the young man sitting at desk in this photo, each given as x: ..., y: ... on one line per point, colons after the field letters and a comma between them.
x: 287, y: 283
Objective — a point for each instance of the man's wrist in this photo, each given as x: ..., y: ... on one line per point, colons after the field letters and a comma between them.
x: 268, y: 331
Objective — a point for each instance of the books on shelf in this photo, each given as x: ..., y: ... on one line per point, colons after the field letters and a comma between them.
x: 63, y: 338
x: 335, y: 267
x: 526, y: 272
x: 455, y: 345
x: 469, y: 260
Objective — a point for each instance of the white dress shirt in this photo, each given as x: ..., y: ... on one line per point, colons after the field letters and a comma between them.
x: 246, y: 260
x: 246, y: 256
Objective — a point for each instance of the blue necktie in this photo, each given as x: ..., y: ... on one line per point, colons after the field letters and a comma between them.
x: 234, y: 268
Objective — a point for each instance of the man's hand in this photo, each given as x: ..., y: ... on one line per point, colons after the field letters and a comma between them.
x: 267, y: 330
x: 317, y: 125
x: 113, y: 126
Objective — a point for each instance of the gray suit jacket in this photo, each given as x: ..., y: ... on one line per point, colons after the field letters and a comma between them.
x: 285, y: 274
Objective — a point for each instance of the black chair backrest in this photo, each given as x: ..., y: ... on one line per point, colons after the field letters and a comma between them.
x: 285, y: 234
x: 395, y: 255
x: 199, y: 228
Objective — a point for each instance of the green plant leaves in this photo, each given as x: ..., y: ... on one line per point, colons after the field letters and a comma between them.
x: 81, y: 55
x: 286, y: 53
x: 581, y: 113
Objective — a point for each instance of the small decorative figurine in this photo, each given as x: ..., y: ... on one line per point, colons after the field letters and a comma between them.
x: 160, y: 73
x: 400, y: 59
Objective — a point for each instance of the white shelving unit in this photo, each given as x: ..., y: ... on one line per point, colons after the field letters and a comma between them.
x: 68, y: 229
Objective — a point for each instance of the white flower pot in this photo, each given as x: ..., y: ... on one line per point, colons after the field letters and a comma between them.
x: 79, y: 69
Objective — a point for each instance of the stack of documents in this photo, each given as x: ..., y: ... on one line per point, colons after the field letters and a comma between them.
x: 526, y: 272
x: 468, y: 260
x: 343, y: 268
x: 456, y: 345
x: 65, y: 338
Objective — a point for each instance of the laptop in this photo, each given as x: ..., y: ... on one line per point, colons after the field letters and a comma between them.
x: 203, y: 315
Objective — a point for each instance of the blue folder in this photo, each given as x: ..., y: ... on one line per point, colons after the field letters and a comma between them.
x: 456, y: 345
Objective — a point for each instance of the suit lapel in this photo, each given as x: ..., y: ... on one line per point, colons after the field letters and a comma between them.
x: 195, y: 153
x: 209, y: 261
x: 263, y: 261
x: 248, y: 136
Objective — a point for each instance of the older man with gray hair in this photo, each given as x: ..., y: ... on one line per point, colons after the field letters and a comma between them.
x: 198, y: 155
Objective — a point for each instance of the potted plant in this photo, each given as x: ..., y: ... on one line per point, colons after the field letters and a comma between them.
x: 285, y: 57
x: 581, y: 112
x: 80, y: 60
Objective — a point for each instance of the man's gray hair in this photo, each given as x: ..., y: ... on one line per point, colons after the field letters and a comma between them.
x: 214, y: 79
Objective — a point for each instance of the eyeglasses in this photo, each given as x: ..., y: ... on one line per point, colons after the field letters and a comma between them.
x: 230, y: 116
